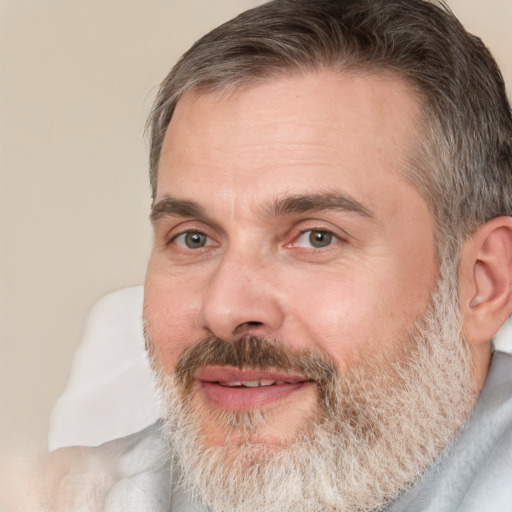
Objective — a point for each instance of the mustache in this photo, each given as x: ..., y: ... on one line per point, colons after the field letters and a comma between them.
x: 260, y: 353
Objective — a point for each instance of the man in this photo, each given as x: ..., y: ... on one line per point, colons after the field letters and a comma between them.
x: 332, y: 257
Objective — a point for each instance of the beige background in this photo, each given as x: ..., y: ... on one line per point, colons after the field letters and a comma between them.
x: 76, y: 82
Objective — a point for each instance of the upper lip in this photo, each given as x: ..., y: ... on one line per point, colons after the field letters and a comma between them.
x: 223, y: 374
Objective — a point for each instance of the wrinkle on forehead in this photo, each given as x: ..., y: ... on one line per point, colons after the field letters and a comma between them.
x: 276, y: 136
x: 301, y: 105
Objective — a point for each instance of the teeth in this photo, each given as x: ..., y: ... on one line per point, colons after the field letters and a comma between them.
x: 251, y: 383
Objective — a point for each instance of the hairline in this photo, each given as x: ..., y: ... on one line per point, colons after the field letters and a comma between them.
x: 421, y: 122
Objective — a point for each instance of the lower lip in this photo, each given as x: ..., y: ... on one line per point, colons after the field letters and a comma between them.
x: 248, y: 399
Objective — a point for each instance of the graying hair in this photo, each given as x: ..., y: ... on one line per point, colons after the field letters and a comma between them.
x: 462, y: 165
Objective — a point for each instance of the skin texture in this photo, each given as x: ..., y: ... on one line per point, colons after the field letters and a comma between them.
x: 257, y: 272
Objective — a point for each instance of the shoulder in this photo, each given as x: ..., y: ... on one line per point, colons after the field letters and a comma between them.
x: 129, y: 472
x: 491, y: 485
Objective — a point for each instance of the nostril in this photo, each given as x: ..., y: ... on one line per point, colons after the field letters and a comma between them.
x: 247, y: 325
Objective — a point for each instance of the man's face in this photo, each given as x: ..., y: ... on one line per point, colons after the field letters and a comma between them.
x: 281, y: 212
x: 295, y: 314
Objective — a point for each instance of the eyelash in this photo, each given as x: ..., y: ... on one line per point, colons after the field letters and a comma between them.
x: 324, y: 238
x: 191, y: 233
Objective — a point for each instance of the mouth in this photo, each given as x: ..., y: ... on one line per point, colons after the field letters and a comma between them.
x: 241, y: 390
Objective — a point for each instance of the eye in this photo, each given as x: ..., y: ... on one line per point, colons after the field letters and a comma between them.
x: 315, y: 238
x: 192, y: 240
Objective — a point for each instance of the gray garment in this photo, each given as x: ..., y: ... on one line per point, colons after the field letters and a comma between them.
x: 473, y: 475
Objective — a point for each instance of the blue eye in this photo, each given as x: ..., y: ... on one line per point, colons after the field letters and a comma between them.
x: 316, y: 238
x: 192, y: 240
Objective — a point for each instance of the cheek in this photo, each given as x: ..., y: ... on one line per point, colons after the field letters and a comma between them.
x: 170, y: 314
x: 337, y: 314
x: 354, y: 314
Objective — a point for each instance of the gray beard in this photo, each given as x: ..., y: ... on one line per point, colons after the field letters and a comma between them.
x: 380, y: 425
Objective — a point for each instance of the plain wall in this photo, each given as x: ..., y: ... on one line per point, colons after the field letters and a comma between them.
x: 77, y: 79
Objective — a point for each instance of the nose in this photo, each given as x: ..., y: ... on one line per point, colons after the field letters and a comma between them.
x: 241, y: 298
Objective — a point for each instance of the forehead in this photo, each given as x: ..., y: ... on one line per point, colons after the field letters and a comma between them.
x: 325, y: 130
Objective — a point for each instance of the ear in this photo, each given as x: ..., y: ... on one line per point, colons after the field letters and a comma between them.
x: 485, y: 281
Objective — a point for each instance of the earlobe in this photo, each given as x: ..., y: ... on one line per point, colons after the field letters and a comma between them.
x: 485, y: 280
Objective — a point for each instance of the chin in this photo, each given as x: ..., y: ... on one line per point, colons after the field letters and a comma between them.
x: 266, y: 429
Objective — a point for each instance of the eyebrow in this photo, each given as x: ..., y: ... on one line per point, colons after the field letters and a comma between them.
x: 301, y: 203
x: 170, y: 206
x: 314, y: 202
